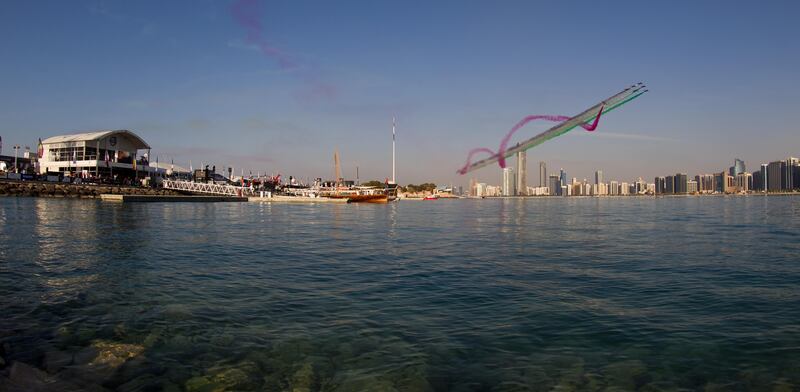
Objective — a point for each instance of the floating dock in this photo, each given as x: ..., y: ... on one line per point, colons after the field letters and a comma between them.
x: 170, y: 199
x: 295, y: 199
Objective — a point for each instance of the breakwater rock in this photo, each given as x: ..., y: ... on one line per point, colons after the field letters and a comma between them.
x: 50, y: 189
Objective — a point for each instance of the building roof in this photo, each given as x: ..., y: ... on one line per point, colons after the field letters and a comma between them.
x: 97, y: 135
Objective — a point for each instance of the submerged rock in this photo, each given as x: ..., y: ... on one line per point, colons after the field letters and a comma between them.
x: 98, y: 363
x: 303, y: 379
x: 56, y: 360
x: 26, y: 378
x: 243, y: 376
x: 114, y: 354
x: 365, y: 383
x: 626, y: 375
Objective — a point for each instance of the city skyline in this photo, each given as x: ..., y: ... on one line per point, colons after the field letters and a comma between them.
x: 191, y: 78
x: 782, y: 175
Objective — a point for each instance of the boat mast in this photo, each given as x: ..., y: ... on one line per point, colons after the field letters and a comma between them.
x: 394, y: 181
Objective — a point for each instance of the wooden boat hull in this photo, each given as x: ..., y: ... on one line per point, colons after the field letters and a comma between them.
x: 367, y: 199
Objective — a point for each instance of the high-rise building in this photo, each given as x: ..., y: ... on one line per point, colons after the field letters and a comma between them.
x: 691, y: 186
x: 764, y: 182
x: 598, y: 177
x: 563, y: 177
x: 660, y: 185
x: 681, y: 181
x: 795, y: 164
x: 542, y: 174
x: 705, y: 183
x: 640, y: 187
x: 737, y: 168
x: 788, y: 173
x: 509, y: 182
x: 613, y: 188
x: 744, y: 182
x: 775, y: 176
x: 554, y: 184
x: 670, y: 185
x: 522, y: 173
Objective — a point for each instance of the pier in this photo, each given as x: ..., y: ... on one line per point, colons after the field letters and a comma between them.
x: 170, y: 198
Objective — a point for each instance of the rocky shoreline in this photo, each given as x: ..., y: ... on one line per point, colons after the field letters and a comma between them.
x: 52, y: 189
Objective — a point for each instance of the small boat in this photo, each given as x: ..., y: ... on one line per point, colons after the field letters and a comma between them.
x: 431, y: 197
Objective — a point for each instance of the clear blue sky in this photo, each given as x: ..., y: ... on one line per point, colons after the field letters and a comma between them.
x: 723, y: 80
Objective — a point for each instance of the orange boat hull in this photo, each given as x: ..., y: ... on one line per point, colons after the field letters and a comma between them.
x: 367, y: 199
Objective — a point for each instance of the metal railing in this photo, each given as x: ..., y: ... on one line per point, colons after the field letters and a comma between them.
x: 207, y: 188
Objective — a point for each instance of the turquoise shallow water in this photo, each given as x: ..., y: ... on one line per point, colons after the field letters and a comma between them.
x: 694, y: 293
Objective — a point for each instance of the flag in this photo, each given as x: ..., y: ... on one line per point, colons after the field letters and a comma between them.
x: 108, y: 164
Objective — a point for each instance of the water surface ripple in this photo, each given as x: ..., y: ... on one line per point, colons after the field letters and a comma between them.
x: 469, y: 295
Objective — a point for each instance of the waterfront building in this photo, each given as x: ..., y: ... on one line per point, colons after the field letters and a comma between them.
x: 542, y: 174
x: 705, y: 183
x: 554, y: 185
x: 744, y: 182
x: 598, y: 177
x: 624, y: 189
x: 538, y: 191
x: 691, y: 186
x: 795, y: 173
x: 788, y: 169
x: 669, y: 187
x: 600, y: 189
x: 613, y: 188
x: 640, y: 187
x: 651, y: 189
x: 681, y: 181
x: 522, y: 174
x: 563, y: 177
x: 758, y: 181
x: 775, y: 176
x: 95, y: 154
x: 660, y: 185
x: 509, y: 182
x: 763, y: 186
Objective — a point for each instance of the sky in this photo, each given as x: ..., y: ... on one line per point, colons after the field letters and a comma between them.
x: 278, y: 86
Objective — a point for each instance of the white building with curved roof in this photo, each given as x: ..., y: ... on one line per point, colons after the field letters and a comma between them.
x: 101, y: 153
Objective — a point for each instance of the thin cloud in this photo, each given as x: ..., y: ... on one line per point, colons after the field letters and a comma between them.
x: 625, y: 136
x: 247, y: 14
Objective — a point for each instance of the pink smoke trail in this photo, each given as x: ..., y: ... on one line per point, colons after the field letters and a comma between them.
x: 246, y: 13
x: 501, y: 159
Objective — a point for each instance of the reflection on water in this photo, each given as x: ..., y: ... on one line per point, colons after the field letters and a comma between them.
x: 470, y: 295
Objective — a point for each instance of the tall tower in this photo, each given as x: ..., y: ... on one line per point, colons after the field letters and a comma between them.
x: 542, y: 174
x: 598, y: 177
x: 522, y: 173
x: 337, y: 168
